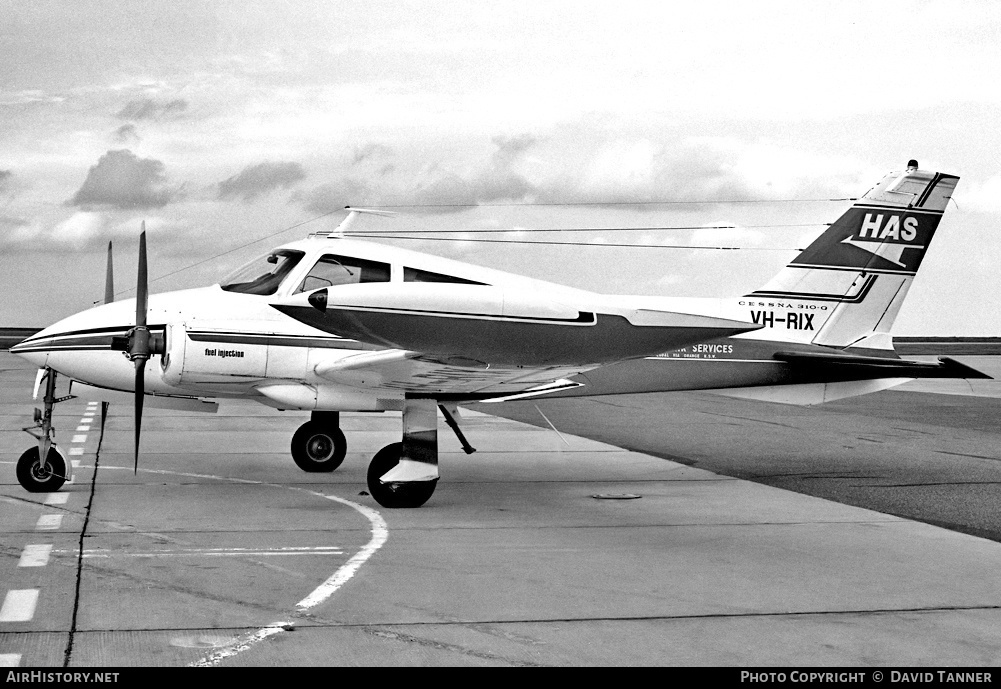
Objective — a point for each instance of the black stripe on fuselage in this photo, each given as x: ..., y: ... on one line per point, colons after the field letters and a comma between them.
x: 275, y: 340
x: 910, y: 210
x: 583, y: 317
x: 928, y: 189
x: 854, y: 269
x: 88, y: 339
x: 870, y: 280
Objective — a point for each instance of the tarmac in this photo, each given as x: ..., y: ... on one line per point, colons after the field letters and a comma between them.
x: 544, y: 548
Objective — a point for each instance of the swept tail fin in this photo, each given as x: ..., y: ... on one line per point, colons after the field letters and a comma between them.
x: 847, y: 287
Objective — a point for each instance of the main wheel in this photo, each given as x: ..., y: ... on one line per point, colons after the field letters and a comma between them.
x: 38, y: 479
x: 400, y: 493
x: 316, y: 447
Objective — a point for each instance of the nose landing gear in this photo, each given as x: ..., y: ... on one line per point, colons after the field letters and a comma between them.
x: 42, y: 469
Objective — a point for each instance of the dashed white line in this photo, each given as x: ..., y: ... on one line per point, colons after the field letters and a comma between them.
x: 89, y: 413
x: 49, y: 522
x: 79, y: 439
x: 10, y: 659
x: 57, y: 498
x: 75, y: 463
x: 36, y: 555
x: 19, y: 605
x: 76, y: 450
x: 83, y: 428
x: 213, y: 552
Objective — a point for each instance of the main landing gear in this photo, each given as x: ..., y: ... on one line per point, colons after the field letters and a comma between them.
x: 319, y: 444
x: 402, y: 474
x: 42, y: 469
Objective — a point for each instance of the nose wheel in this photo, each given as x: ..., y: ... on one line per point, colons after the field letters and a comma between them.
x: 42, y: 468
x: 36, y: 477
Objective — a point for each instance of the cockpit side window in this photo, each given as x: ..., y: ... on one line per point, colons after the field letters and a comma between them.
x: 417, y: 275
x: 332, y: 270
x: 264, y: 274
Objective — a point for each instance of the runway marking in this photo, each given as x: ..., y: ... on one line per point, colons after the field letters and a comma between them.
x: 380, y: 533
x: 57, y: 498
x: 49, y: 522
x: 76, y: 450
x: 83, y: 428
x: 89, y: 413
x: 10, y: 659
x: 210, y: 552
x: 35, y: 555
x: 19, y: 605
x: 79, y: 439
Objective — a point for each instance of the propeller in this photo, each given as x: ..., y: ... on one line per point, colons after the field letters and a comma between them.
x: 138, y: 344
x: 109, y: 296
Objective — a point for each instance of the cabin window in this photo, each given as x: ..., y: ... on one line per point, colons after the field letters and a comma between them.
x: 332, y: 270
x: 264, y: 274
x: 416, y: 275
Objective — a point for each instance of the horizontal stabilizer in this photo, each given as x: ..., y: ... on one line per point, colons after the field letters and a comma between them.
x: 864, y: 367
x: 810, y: 394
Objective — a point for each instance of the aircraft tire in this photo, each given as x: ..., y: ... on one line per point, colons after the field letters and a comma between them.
x: 317, y: 448
x: 34, y: 479
x: 398, y: 494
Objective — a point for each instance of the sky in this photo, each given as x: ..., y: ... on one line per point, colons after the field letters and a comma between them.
x: 231, y: 127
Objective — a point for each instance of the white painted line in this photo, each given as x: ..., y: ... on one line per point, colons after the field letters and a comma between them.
x: 10, y: 659
x: 214, y: 552
x: 35, y: 555
x: 380, y: 533
x: 83, y: 428
x: 91, y: 404
x: 89, y: 413
x: 75, y: 463
x: 79, y: 439
x: 49, y: 522
x: 76, y: 450
x: 19, y: 605
x: 57, y: 498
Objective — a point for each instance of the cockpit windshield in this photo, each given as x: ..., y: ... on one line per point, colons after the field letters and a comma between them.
x: 264, y: 274
x: 333, y: 269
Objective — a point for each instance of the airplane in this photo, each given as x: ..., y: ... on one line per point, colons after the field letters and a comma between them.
x: 331, y: 324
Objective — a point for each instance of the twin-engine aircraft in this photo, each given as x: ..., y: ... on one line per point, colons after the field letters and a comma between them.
x: 329, y: 324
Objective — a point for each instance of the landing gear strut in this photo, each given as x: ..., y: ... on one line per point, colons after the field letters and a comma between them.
x: 405, y: 474
x: 319, y: 444
x: 42, y: 469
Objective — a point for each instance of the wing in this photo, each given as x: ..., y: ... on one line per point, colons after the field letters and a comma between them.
x: 445, y: 378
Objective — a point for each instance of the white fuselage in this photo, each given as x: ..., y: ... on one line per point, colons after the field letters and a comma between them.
x: 224, y: 343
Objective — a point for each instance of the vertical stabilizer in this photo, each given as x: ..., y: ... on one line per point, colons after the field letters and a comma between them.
x: 849, y: 284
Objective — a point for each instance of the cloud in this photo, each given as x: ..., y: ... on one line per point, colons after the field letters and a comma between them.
x: 127, y: 134
x: 123, y: 180
x: 371, y: 151
x: 150, y: 109
x: 498, y: 182
x: 255, y: 180
x: 79, y: 229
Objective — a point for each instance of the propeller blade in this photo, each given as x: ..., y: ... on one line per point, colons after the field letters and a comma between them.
x: 140, y: 345
x: 140, y: 393
x: 142, y: 289
x: 109, y: 280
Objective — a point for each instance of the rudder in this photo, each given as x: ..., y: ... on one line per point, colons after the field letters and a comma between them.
x: 854, y: 277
